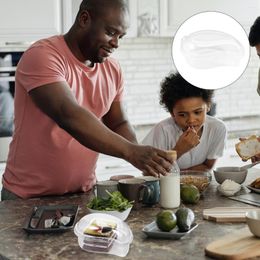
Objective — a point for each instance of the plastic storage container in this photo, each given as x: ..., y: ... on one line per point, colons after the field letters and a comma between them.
x: 117, y: 244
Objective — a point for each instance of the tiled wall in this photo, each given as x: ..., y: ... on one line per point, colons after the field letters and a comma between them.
x: 146, y: 61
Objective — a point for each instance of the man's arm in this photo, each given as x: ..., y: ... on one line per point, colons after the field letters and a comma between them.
x: 116, y: 120
x: 57, y: 101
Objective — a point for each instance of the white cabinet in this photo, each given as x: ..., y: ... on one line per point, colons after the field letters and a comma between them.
x: 29, y: 20
x: 71, y: 7
x: 174, y: 12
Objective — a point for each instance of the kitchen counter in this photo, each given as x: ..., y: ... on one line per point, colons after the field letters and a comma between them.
x: 17, y: 244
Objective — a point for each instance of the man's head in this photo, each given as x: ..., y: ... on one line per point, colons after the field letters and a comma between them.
x: 99, y: 26
x: 254, y: 35
x: 187, y: 104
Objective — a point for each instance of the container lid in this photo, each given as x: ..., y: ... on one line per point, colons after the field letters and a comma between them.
x: 121, y: 233
x: 173, y: 154
x: 117, y: 243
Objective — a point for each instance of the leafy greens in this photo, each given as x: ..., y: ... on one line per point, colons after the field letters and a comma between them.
x: 116, y: 201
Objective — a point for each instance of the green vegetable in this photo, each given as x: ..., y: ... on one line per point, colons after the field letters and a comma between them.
x: 166, y: 220
x: 116, y: 201
x: 185, y: 218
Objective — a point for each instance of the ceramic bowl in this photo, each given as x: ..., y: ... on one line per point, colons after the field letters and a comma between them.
x: 253, y: 221
x: 200, y: 179
x: 121, y: 215
x: 230, y: 173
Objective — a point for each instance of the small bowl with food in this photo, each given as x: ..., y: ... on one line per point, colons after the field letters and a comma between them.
x: 200, y: 179
x: 235, y: 174
x: 116, y: 205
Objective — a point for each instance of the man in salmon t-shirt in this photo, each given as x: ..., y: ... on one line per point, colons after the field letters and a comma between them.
x: 68, y: 108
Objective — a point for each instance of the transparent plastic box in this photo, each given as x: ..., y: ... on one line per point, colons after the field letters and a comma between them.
x: 117, y: 244
x: 103, y: 244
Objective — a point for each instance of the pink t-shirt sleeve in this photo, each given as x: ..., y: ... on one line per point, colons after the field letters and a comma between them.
x: 40, y: 66
x: 120, y: 81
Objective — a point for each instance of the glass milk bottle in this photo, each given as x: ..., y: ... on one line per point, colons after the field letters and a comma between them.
x: 170, y: 186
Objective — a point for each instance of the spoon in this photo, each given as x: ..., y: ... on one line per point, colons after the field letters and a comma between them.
x: 243, y: 168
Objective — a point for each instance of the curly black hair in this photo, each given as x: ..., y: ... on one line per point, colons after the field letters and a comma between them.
x: 174, y: 87
x: 254, y: 34
x: 98, y: 7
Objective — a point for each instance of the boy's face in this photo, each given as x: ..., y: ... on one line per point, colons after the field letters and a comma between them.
x: 190, y: 112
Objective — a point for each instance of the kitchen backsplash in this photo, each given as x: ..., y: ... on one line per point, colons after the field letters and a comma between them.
x: 146, y: 61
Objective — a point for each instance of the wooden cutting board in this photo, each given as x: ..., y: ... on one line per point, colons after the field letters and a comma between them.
x: 236, y: 246
x: 227, y: 214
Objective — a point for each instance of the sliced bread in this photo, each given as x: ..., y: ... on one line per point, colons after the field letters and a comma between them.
x: 248, y: 147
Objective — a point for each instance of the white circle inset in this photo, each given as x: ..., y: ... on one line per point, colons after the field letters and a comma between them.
x: 211, y: 50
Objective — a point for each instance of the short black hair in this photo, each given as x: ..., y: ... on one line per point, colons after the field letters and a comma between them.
x: 254, y: 34
x: 97, y: 7
x: 174, y: 88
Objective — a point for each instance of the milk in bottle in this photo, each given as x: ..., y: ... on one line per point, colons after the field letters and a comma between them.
x: 170, y: 186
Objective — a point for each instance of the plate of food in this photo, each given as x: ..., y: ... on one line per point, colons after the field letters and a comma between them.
x: 171, y: 225
x: 253, y: 189
x: 51, y: 218
x: 254, y: 186
x: 152, y: 230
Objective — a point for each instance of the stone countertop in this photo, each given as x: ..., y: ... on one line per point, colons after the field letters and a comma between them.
x: 17, y: 244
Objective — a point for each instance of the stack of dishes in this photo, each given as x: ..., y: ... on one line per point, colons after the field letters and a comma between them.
x: 103, y: 233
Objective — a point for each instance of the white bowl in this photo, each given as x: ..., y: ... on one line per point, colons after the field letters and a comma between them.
x: 253, y: 221
x: 232, y: 173
x: 121, y: 215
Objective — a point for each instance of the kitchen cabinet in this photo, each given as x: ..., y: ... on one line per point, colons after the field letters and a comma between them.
x: 71, y: 7
x: 174, y: 12
x: 29, y: 20
x: 25, y: 21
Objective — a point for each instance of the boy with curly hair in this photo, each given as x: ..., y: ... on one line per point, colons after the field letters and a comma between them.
x: 198, y: 138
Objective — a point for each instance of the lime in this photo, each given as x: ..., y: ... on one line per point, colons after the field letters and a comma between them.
x: 166, y: 220
x: 190, y: 193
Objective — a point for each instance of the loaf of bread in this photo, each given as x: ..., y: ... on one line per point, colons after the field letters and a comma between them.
x: 248, y: 147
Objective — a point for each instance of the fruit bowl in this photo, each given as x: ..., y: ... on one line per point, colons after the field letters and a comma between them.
x: 200, y: 179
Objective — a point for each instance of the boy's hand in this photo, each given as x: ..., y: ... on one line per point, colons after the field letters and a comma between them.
x: 188, y: 140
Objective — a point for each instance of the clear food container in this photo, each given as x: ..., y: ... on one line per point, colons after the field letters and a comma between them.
x: 116, y: 243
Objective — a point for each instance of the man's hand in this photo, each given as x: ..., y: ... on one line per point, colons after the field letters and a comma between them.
x: 255, y: 158
x: 188, y: 140
x: 150, y: 160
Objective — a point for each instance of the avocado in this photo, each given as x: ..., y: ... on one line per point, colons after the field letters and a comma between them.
x: 185, y: 218
x: 189, y: 193
x: 166, y: 220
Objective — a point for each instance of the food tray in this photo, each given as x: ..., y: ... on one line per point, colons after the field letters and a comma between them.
x: 151, y: 230
x: 253, y: 189
x: 35, y: 223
